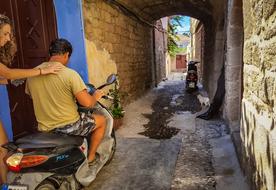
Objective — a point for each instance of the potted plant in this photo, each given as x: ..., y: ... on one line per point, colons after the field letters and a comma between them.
x: 116, y: 107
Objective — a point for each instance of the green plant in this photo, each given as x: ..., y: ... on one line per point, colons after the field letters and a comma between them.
x: 116, y: 107
x: 173, y: 24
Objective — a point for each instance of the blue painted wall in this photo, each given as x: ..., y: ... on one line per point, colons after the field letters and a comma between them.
x: 70, y: 27
x: 5, y: 111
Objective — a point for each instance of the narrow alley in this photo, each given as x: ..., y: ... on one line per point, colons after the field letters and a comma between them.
x: 188, y: 153
x: 227, y: 48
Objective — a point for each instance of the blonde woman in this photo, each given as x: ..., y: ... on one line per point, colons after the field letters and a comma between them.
x: 7, y: 52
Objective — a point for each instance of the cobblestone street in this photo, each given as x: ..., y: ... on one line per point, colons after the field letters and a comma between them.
x: 189, y: 159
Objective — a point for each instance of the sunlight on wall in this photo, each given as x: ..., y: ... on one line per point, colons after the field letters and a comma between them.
x: 100, y: 66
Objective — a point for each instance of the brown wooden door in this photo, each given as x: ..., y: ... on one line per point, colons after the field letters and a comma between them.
x: 35, y: 27
x: 180, y: 61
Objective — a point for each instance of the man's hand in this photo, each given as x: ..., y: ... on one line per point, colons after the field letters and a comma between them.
x: 86, y: 100
x: 52, y: 68
x: 98, y: 94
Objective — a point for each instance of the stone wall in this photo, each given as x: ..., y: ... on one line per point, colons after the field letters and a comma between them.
x: 198, y: 34
x: 201, y: 36
x: 259, y: 95
x: 212, y: 47
x: 122, y: 40
x: 160, y: 51
x: 214, y: 51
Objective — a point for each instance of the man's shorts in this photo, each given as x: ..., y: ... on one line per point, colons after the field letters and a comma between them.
x: 82, y: 127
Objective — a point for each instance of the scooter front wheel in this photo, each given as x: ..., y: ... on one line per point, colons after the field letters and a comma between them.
x: 113, y: 149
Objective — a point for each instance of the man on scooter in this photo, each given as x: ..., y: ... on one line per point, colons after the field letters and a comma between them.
x: 55, y: 96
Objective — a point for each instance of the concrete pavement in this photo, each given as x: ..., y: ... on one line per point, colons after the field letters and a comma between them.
x: 201, y: 156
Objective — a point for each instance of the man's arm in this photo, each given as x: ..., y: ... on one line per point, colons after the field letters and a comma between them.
x: 86, y: 100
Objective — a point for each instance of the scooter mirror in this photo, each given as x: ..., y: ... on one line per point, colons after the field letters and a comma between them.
x: 193, y: 62
x: 111, y: 79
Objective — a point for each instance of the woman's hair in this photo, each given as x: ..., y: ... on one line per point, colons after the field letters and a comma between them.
x: 7, y: 52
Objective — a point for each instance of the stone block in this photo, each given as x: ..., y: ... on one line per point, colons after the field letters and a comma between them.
x: 252, y: 54
x: 237, y: 3
x: 247, y: 15
x: 269, y: 33
x: 233, y: 89
x: 234, y: 56
x: 233, y: 72
x: 107, y: 17
x: 252, y: 80
x: 97, y: 33
x: 261, y: 91
x: 117, y: 48
x: 269, y: 7
x: 234, y: 36
x: 247, y: 53
x: 108, y: 47
x: 269, y: 54
x: 257, y: 14
x: 95, y: 23
x: 256, y: 55
x: 117, y: 30
x: 236, y: 17
x: 232, y: 108
x: 270, y: 90
x: 120, y: 21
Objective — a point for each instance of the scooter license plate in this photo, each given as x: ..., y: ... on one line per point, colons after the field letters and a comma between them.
x: 14, y: 187
x: 191, y: 85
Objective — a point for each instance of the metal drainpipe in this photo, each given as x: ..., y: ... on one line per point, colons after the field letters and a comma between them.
x: 164, y: 52
x: 154, y: 58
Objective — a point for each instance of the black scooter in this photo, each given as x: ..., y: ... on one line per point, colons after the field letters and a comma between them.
x: 191, y: 77
x: 54, y: 161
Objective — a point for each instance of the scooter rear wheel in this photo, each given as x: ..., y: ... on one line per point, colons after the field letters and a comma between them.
x: 46, y: 185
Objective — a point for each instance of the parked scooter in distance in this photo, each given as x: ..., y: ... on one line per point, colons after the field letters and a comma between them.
x: 191, y: 77
x: 58, y: 161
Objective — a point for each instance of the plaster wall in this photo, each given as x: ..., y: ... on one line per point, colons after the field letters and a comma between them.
x: 173, y: 63
x: 168, y: 64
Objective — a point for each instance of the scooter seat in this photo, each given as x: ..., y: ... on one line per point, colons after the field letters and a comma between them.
x: 48, y: 140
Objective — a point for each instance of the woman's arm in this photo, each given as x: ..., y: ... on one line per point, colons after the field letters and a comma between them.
x: 3, y: 81
x: 8, y: 73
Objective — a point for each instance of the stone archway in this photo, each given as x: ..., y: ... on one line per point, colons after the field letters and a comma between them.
x: 201, y: 10
x: 233, y: 65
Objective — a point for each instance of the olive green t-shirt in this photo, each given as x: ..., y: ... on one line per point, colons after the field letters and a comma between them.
x: 54, y: 97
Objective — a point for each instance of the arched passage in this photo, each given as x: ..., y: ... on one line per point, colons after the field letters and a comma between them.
x: 123, y: 27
